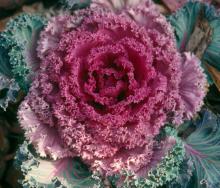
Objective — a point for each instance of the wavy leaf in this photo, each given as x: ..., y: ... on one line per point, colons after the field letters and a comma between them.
x: 183, y: 22
x: 163, y: 171
x: 203, y: 148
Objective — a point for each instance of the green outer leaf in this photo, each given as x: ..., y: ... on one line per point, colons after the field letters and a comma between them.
x: 185, y: 176
x: 8, y: 87
x: 203, y: 148
x: 212, y: 53
x: 20, y: 41
x: 68, y: 172
x: 184, y: 21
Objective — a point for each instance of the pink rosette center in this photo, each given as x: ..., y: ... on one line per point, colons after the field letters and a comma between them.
x: 106, y: 86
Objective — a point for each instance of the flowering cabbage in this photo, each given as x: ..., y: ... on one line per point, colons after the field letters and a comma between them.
x: 110, y: 78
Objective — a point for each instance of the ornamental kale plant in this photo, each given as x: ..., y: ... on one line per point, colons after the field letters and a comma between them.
x: 115, y: 95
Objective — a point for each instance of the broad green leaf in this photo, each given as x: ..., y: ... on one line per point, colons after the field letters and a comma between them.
x: 183, y: 22
x: 203, y: 149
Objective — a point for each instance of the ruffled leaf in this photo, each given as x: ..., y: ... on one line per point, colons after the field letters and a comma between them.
x: 197, y: 29
x: 184, y: 179
x: 8, y: 91
x: 193, y: 87
x: 203, y: 148
x: 68, y: 172
x: 164, y: 171
x: 43, y: 137
x: 8, y: 87
x: 19, y: 41
x: 122, y: 5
